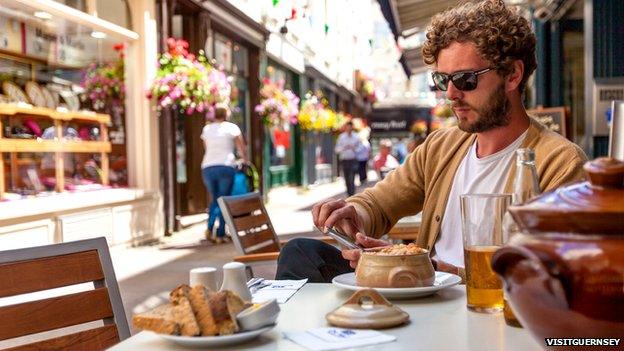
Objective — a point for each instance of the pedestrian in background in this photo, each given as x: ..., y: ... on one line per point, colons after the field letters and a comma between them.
x: 384, y: 162
x: 220, y: 138
x: 346, y: 147
x: 363, y: 155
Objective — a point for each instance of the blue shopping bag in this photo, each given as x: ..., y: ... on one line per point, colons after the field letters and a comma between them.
x: 240, y: 185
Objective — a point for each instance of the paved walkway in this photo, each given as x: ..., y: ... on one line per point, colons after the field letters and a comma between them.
x: 146, y: 274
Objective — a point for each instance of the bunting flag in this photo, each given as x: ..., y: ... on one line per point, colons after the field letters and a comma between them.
x: 275, y: 2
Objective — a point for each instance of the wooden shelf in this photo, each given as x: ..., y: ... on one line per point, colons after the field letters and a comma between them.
x: 57, y: 145
x: 30, y: 59
x: 22, y: 145
x: 86, y: 146
x: 40, y: 145
x: 43, y: 112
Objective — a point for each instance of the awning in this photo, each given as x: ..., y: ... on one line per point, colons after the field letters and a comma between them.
x: 414, y: 60
x: 407, y: 17
x: 415, y: 15
x: 324, y: 80
x: 230, y: 17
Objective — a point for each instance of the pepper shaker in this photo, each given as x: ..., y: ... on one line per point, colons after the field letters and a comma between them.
x: 235, y: 279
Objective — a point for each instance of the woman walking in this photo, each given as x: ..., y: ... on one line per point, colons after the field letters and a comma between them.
x: 220, y: 138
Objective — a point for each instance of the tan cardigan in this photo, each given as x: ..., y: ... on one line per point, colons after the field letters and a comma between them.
x: 424, y: 181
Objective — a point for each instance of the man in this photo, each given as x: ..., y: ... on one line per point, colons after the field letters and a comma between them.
x: 346, y: 147
x: 482, y: 55
x: 384, y: 162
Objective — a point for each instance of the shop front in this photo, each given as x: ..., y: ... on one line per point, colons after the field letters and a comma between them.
x: 68, y: 136
x: 399, y: 124
x: 282, y: 141
x: 319, y: 160
x: 235, y: 43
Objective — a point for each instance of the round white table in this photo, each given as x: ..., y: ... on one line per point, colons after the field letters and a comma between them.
x: 438, y: 322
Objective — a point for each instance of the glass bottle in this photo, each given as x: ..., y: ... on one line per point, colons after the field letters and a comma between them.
x: 525, y: 187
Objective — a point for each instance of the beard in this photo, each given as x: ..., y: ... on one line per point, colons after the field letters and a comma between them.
x: 494, y: 113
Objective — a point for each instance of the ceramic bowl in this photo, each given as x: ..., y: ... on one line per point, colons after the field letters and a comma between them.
x: 259, y: 315
x: 394, y: 271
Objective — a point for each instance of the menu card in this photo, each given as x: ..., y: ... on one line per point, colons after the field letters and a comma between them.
x: 322, y: 339
x: 281, y: 290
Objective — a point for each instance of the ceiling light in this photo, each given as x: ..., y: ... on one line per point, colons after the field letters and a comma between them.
x: 98, y: 35
x: 43, y: 15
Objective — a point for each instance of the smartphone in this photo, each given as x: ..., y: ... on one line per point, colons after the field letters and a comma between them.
x: 343, y: 239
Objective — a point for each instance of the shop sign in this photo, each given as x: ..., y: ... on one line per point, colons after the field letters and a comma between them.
x: 71, y: 51
x: 10, y: 35
x: 391, y: 120
x: 40, y: 43
x: 391, y: 125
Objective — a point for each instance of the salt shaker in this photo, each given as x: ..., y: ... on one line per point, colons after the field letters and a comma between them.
x: 235, y: 279
x: 206, y: 276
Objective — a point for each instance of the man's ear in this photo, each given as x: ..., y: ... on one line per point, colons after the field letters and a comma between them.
x: 515, y: 77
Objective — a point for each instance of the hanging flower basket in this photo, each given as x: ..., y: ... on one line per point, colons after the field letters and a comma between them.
x: 186, y: 82
x: 103, y: 84
x: 316, y: 115
x: 278, y: 105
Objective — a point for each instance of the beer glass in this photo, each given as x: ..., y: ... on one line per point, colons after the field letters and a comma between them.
x: 482, y: 230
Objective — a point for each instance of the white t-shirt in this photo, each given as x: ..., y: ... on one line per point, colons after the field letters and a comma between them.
x: 218, y: 139
x: 486, y: 175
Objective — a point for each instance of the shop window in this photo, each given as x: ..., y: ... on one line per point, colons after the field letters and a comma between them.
x: 223, y: 52
x: 281, y: 150
x: 234, y: 58
x: 62, y: 89
x: 240, y: 103
x: 240, y: 60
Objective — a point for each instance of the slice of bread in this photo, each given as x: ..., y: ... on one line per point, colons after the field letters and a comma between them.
x: 183, y: 311
x: 225, y: 306
x: 160, y: 320
x: 199, y: 296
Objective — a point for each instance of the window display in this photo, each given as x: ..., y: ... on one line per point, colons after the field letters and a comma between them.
x: 62, y: 93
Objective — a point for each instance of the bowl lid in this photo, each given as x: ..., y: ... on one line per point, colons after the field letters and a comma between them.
x: 366, y: 308
x: 591, y: 207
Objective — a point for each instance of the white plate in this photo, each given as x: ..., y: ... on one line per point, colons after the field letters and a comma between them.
x: 443, y: 280
x: 216, y: 341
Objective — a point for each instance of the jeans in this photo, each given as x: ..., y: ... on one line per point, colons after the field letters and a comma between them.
x: 219, y: 181
x: 349, y: 169
x: 313, y: 259
x: 362, y: 168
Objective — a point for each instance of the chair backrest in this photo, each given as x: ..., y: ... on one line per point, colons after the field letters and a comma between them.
x: 41, y: 268
x: 249, y: 223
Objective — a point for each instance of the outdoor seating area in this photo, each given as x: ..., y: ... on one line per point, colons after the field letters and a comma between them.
x: 311, y: 175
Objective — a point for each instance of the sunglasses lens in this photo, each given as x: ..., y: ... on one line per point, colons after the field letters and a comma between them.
x: 440, y: 81
x: 465, y: 81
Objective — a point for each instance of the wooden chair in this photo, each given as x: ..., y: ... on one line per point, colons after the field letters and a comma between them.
x: 251, y: 230
x: 41, y: 268
x: 406, y: 230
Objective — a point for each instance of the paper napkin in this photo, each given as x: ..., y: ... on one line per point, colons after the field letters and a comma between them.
x: 323, y: 339
x: 281, y: 290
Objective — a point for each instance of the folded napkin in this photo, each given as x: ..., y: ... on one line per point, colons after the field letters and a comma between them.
x: 281, y: 290
x: 323, y: 339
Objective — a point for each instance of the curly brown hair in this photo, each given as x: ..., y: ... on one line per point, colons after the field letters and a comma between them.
x: 501, y: 35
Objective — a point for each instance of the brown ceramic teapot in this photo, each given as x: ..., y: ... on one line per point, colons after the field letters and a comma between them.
x: 564, y: 274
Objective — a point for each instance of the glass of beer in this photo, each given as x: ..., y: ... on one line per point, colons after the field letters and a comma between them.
x: 482, y: 230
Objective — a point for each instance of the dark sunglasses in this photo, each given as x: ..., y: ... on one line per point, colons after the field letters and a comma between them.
x: 464, y: 80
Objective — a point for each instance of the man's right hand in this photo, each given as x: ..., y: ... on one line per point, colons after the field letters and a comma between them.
x: 353, y: 256
x: 338, y: 214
